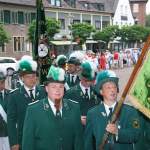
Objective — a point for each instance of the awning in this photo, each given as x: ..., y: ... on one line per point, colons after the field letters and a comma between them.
x: 63, y: 42
x: 91, y: 41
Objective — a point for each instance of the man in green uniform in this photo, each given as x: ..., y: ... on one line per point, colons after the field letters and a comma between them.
x: 84, y: 92
x: 3, y: 91
x: 125, y: 132
x: 53, y: 123
x: 20, y: 98
x: 4, y: 143
x: 72, y: 77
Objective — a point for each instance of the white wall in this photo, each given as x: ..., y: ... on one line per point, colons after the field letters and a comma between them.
x: 123, y: 9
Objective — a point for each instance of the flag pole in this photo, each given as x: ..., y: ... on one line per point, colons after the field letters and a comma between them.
x: 126, y: 90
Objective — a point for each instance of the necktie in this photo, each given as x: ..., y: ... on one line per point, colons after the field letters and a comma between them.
x: 110, y: 112
x: 58, y: 114
x: 31, y: 94
x: 1, y: 95
x: 86, y: 94
x: 72, y: 79
x: 57, y: 106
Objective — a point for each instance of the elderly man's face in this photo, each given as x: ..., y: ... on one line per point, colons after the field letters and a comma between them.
x: 2, y: 85
x: 55, y: 90
x: 109, y: 91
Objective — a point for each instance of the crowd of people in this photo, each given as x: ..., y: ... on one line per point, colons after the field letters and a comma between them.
x: 71, y: 110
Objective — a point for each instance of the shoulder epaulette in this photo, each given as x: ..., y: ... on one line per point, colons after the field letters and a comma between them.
x: 42, y: 85
x: 73, y: 101
x: 13, y: 90
x: 33, y: 102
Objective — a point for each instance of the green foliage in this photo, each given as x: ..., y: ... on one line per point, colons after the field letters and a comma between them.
x: 52, y: 27
x: 107, y: 34
x: 133, y: 33
x: 4, y: 38
x: 81, y: 31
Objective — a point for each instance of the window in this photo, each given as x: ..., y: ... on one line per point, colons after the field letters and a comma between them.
x: 99, y: 6
x: 98, y: 24
x: 76, y: 21
x: 124, y: 18
x: 58, y: 3
x: 86, y: 5
x: 1, y: 16
x: 55, y: 2
x: 135, y: 8
x: 27, y: 18
x: 2, y: 48
x: 6, y: 16
x: 19, y: 44
x: 7, y: 61
x: 62, y: 23
x: 20, y: 17
x: 33, y: 16
x: 14, y: 16
x: 87, y: 21
x: 71, y: 3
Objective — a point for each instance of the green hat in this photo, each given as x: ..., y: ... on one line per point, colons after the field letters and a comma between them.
x: 27, y: 65
x: 74, y: 60
x: 61, y: 60
x: 2, y: 76
x: 87, y: 71
x: 105, y: 76
x: 55, y: 74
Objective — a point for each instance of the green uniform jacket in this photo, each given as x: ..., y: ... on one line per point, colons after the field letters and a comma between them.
x: 128, y: 128
x: 144, y: 140
x: 3, y: 124
x: 17, y: 104
x: 4, y: 102
x: 43, y: 131
x: 76, y: 94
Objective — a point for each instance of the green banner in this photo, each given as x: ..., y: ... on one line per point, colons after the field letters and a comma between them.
x: 139, y: 94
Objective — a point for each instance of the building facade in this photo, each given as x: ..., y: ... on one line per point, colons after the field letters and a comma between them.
x: 16, y: 16
x: 138, y: 8
x: 122, y: 13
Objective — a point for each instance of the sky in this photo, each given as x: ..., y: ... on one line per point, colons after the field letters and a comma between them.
x: 148, y: 7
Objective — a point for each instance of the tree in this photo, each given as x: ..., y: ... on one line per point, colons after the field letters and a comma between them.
x: 4, y: 38
x: 81, y: 32
x: 52, y: 27
x: 107, y: 34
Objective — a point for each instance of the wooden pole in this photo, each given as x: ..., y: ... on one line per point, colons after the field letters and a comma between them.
x: 127, y: 87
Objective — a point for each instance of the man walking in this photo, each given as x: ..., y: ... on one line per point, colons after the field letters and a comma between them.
x: 20, y: 98
x: 53, y: 123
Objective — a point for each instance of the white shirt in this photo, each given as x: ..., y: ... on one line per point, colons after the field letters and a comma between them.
x: 83, y: 89
x: 28, y: 90
x: 107, y: 108
x: 74, y: 77
x: 51, y: 103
